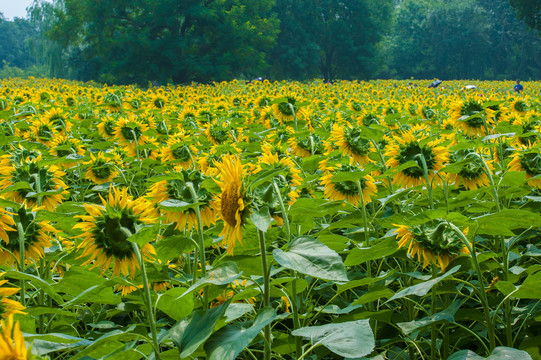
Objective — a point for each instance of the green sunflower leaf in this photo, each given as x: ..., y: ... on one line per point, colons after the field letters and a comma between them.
x: 311, y: 257
x: 261, y: 218
x: 352, y: 339
x: 178, y: 205
x: 145, y: 235
x: 378, y: 250
x: 229, y: 341
x: 503, y: 222
x: 423, y: 288
x: 20, y: 185
x: 191, y: 332
x: 499, y: 353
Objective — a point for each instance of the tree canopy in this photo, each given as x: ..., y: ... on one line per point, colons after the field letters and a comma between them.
x: 142, y: 41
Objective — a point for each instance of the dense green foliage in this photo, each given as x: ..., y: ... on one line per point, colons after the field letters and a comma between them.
x: 328, y: 38
x: 529, y: 11
x: 170, y: 41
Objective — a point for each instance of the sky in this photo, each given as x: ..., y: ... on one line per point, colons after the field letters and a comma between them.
x: 14, y: 8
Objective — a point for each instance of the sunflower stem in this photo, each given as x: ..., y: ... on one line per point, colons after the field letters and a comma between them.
x: 427, y: 180
x: 266, y: 290
x: 148, y: 299
x: 292, y: 108
x: 366, y: 234
x: 481, y: 281
x: 433, y: 310
x: 294, y: 298
x: 20, y: 232
x: 202, y: 253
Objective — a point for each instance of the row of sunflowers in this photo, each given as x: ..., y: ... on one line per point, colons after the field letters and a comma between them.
x: 269, y: 220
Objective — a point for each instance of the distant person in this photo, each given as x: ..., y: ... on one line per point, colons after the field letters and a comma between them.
x: 518, y: 87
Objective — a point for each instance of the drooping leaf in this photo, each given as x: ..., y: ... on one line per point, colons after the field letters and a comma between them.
x: 349, y: 339
x: 424, y: 287
x: 311, y: 257
x: 191, y: 332
x: 230, y: 340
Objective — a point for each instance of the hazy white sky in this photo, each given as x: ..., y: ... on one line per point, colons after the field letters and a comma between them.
x: 14, y: 8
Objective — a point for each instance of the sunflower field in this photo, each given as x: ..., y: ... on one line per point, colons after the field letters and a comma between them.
x: 270, y: 220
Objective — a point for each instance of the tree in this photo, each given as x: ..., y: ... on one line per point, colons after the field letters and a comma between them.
x: 436, y: 38
x: 529, y: 11
x: 336, y: 38
x: 125, y: 41
x: 14, y: 38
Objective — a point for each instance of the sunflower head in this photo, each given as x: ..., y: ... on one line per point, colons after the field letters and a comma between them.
x: 178, y: 190
x: 231, y: 203
x: 106, y: 230
x: 37, y: 237
x: 12, y: 345
x: 433, y: 242
x: 348, y: 190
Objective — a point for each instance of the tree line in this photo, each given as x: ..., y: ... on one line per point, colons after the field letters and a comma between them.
x: 171, y: 41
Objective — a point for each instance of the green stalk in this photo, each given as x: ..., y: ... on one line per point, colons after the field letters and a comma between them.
x: 427, y: 180
x: 366, y: 235
x: 295, y: 301
x: 294, y: 115
x: 433, y: 310
x: 505, y: 257
x: 147, y: 298
x: 266, y: 291
x: 202, y: 253
x: 482, y: 292
x: 20, y: 232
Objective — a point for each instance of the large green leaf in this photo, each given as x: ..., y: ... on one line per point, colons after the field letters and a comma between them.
x: 379, y: 250
x: 223, y: 274
x: 43, y: 344
x: 506, y: 220
x: 446, y: 315
x: 530, y: 288
x: 36, y: 281
x: 174, y: 306
x: 191, y: 332
x: 229, y: 341
x: 499, y: 353
x: 311, y: 257
x: 261, y: 219
x: 424, y: 287
x: 353, y: 339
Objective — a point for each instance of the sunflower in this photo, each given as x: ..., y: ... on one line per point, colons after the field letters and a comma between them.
x: 178, y: 152
x: 519, y: 106
x: 288, y: 108
x: 472, y: 174
x: 101, y: 168
x: 106, y: 230
x: 106, y: 127
x: 12, y: 345
x: 306, y: 146
x: 411, y: 147
x: 350, y: 143
x: 230, y: 204
x: 42, y: 179
x: 291, y: 179
x: 432, y: 242
x: 528, y: 161
x: 130, y: 130
x: 217, y: 133
x: 468, y: 115
x: 42, y: 131
x: 347, y: 190
x: 176, y: 189
x: 63, y: 146
x: 37, y: 236
x: 8, y: 306
x: 57, y: 119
